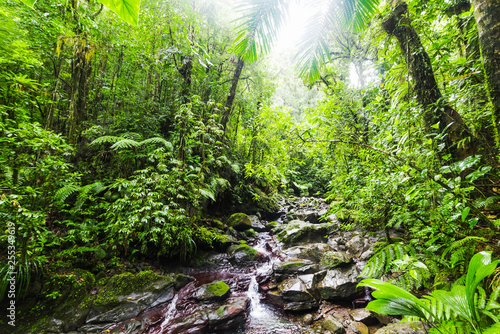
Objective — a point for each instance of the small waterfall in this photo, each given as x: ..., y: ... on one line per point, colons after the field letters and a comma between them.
x: 169, y: 313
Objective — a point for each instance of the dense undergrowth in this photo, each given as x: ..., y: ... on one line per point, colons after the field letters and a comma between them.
x: 124, y: 143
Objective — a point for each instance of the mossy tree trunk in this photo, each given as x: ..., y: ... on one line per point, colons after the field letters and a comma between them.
x: 487, y: 14
x: 427, y: 92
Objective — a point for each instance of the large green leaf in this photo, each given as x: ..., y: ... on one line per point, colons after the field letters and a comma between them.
x: 393, y: 300
x: 127, y: 10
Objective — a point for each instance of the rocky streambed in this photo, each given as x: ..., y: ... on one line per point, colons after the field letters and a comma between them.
x: 296, y: 274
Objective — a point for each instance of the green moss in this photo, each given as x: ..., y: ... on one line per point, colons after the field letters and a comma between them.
x: 293, y: 264
x: 252, y: 253
x: 272, y: 224
x: 239, y: 221
x: 333, y: 259
x: 217, y: 288
x: 122, y: 285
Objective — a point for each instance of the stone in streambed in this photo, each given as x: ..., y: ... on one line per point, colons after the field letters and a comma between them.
x: 311, y: 251
x: 214, y: 291
x: 298, y: 231
x: 363, y: 315
x: 242, y: 254
x: 230, y: 315
x: 339, y: 284
x: 295, y: 294
x: 409, y: 327
x: 331, y: 324
x: 256, y: 224
x: 291, y: 267
x: 331, y: 259
x: 239, y: 221
x: 360, y: 327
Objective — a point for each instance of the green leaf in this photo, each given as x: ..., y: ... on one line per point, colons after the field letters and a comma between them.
x: 465, y: 213
x: 127, y: 10
x: 29, y: 3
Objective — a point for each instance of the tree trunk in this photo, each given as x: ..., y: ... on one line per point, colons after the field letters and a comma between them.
x: 232, y: 93
x: 487, y: 14
x: 425, y: 86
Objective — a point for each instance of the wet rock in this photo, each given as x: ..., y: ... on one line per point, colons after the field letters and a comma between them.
x: 409, y: 327
x: 283, y: 270
x: 334, y: 259
x: 313, y: 251
x: 295, y: 294
x: 126, y: 295
x: 307, y: 319
x: 214, y: 291
x: 180, y: 280
x: 230, y: 315
x: 242, y: 254
x: 356, y: 245
x: 363, y: 315
x: 239, y: 221
x: 298, y: 231
x: 256, y: 224
x: 339, y: 284
x: 360, y: 327
x: 331, y: 324
x: 193, y: 323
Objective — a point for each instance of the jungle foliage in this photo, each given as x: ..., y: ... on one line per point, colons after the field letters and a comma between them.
x: 119, y: 140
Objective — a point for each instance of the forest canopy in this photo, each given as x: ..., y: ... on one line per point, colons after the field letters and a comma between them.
x: 129, y: 128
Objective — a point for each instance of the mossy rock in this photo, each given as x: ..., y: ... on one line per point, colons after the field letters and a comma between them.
x: 334, y: 259
x: 57, y: 307
x: 272, y: 224
x: 239, y: 221
x: 214, y: 291
x: 250, y: 233
x: 242, y: 254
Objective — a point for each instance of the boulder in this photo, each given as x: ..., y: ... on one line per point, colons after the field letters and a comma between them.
x: 256, y: 224
x: 363, y: 315
x: 409, y: 327
x: 330, y: 323
x: 313, y: 251
x: 360, y: 327
x: 126, y: 295
x: 215, y: 291
x: 230, y: 315
x: 295, y: 293
x: 239, y: 221
x: 332, y: 259
x: 292, y: 267
x: 339, y: 284
x: 242, y: 254
x: 298, y: 231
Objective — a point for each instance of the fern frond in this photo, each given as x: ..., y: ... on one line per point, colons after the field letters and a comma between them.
x: 207, y: 193
x: 484, y: 202
x: 62, y: 194
x: 157, y: 140
x: 461, y: 250
x: 106, y: 140
x: 124, y: 144
x: 380, y: 263
x: 132, y: 135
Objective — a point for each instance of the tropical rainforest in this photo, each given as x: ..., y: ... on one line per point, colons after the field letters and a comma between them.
x: 130, y: 130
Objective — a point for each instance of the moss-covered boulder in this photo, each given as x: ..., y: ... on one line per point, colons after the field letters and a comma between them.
x: 242, y: 254
x: 239, y: 221
x: 126, y: 295
x: 298, y: 231
x: 310, y: 251
x: 214, y: 291
x: 408, y: 327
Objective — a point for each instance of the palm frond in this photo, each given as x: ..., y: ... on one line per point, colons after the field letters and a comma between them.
x: 357, y: 13
x: 259, y: 26
x: 313, y: 46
